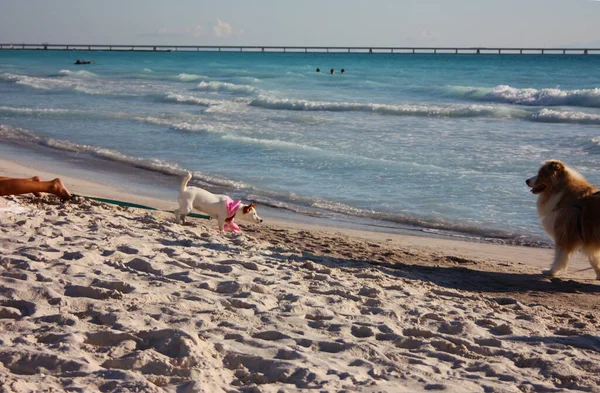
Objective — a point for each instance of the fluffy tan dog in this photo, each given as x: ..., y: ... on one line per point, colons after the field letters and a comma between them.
x: 569, y: 208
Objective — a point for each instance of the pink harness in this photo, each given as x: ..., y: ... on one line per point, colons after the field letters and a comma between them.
x: 232, y: 208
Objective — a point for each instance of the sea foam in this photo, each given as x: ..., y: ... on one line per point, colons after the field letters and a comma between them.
x: 227, y: 87
x: 530, y: 96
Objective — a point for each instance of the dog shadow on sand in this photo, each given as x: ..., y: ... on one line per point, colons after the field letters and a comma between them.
x: 461, y: 277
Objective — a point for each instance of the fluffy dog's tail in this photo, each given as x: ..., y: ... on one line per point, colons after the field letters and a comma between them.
x: 185, y: 181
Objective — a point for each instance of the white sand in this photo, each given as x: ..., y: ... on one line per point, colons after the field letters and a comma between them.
x: 99, y: 298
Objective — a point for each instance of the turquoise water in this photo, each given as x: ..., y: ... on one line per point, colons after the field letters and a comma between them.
x: 438, y: 143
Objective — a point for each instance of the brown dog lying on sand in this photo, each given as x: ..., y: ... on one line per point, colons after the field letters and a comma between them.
x: 569, y: 208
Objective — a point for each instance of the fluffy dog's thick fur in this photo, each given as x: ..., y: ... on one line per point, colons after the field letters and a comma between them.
x: 211, y: 204
x: 570, y: 213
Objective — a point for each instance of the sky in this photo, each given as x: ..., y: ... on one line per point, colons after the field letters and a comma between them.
x: 389, y: 23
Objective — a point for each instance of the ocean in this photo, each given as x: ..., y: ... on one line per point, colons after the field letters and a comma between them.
x: 435, y: 144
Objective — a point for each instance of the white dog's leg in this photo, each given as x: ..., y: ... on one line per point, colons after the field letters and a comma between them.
x: 595, y: 262
x: 561, y: 259
x: 183, y: 211
x: 221, y: 223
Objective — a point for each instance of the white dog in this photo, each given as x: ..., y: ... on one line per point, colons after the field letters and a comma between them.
x: 221, y: 207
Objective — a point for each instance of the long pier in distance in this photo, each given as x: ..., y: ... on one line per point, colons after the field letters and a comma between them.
x: 303, y: 49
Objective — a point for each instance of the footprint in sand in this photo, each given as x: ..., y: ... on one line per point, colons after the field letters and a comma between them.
x: 16, y: 275
x: 59, y: 319
x: 369, y: 292
x: 144, y: 266
x: 332, y: 346
x: 285, y: 354
x: 92, y: 292
x: 15, y: 309
x: 451, y: 327
x: 361, y: 331
x: 114, y: 285
x: 271, y: 335
x: 501, y: 330
x: 72, y: 256
x: 215, y: 268
x: 128, y: 250
x: 228, y: 287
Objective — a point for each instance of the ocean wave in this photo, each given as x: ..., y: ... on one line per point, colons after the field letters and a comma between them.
x: 227, y: 87
x: 270, y: 143
x: 188, y: 99
x: 38, y: 111
x: 25, y: 137
x: 181, y: 124
x: 183, y: 77
x: 78, y: 74
x: 544, y: 115
x: 388, y: 109
x: 38, y: 82
x: 554, y: 116
x: 82, y: 85
x: 529, y: 96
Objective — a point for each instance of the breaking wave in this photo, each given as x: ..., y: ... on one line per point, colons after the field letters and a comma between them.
x: 85, y: 85
x: 387, y: 109
x: 555, y: 116
x: 188, y: 99
x: 227, y: 87
x: 78, y: 74
x: 528, y: 96
x: 450, y: 111
x: 183, y: 77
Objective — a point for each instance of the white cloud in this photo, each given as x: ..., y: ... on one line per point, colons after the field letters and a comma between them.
x: 223, y: 29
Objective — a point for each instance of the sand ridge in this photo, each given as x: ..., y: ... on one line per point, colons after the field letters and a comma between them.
x: 103, y: 298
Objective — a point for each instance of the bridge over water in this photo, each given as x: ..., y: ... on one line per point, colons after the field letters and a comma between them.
x: 303, y: 49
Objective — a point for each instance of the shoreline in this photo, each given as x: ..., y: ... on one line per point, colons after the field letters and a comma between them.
x: 530, y: 257
x: 164, y: 183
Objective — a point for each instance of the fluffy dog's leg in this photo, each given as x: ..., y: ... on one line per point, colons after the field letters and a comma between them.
x: 595, y: 262
x: 561, y: 259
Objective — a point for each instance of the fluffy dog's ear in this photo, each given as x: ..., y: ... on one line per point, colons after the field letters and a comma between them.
x: 556, y: 166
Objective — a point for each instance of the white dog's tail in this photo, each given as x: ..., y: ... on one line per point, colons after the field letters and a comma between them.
x: 185, y: 181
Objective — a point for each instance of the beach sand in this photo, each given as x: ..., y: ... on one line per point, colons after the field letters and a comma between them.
x: 104, y: 298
